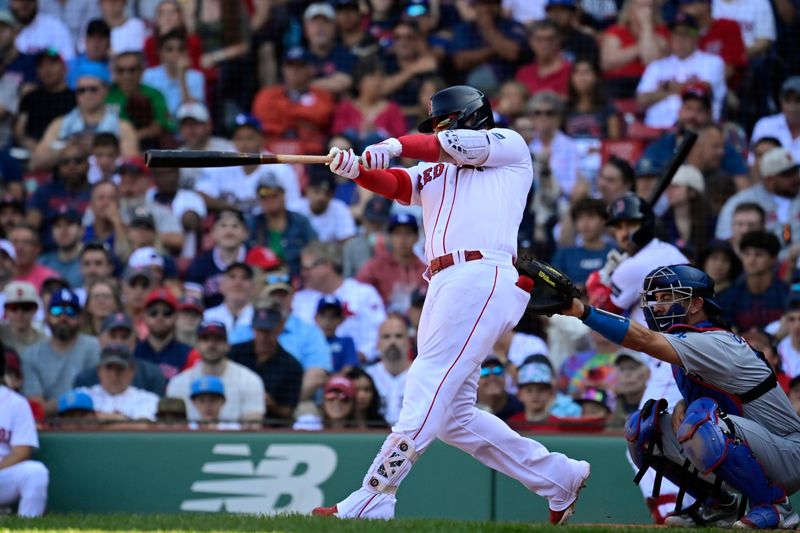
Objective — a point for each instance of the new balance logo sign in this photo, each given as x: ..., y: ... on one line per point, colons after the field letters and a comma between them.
x: 287, y: 479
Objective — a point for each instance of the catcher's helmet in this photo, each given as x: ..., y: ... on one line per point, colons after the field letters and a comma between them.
x: 632, y: 207
x: 471, y: 107
x: 684, y: 282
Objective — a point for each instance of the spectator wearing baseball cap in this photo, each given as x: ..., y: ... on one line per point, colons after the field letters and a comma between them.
x: 244, y: 390
x: 371, y: 238
x: 718, y: 35
x: 51, y: 366
x: 208, y: 397
x: 280, y: 372
x: 576, y: 44
x: 492, y: 394
x: 595, y: 404
x: 75, y: 404
x: 144, y: 255
x: 194, y: 127
x: 97, y: 44
x: 329, y: 316
x: 21, y: 306
x: 263, y: 261
x: 338, y: 403
x: 781, y: 125
x: 236, y: 309
x: 66, y: 234
x: 278, y: 223
x: 166, y: 77
x: 536, y: 383
x: 329, y: 216
x: 160, y: 345
x: 12, y: 212
x: 190, y: 314
x: 397, y: 272
x: 688, y: 203
x: 136, y: 285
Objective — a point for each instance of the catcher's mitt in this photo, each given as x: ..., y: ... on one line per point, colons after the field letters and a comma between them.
x: 552, y: 290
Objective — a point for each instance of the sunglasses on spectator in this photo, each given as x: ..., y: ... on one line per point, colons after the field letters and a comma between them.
x: 76, y: 160
x: 154, y: 312
x: 334, y: 395
x: 24, y: 307
x: 277, y: 278
x: 491, y: 371
x: 543, y: 113
x: 312, y: 264
x: 94, y: 89
x: 127, y: 70
x: 58, y: 310
x: 267, y: 192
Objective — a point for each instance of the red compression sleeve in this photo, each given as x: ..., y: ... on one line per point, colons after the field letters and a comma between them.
x: 421, y: 146
x: 394, y: 183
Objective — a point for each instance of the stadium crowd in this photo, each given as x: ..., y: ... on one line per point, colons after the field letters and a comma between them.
x: 284, y: 296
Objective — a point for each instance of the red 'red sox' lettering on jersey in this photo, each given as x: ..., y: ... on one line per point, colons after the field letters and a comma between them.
x: 430, y: 174
x: 5, y: 435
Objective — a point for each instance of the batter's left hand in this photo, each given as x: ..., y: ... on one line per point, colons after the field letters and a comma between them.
x: 379, y: 155
x: 344, y: 163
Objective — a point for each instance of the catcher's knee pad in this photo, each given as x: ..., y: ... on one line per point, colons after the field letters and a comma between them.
x: 392, y: 464
x: 710, y: 442
x: 643, y: 433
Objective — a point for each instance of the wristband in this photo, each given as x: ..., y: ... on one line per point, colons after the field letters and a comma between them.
x: 611, y: 326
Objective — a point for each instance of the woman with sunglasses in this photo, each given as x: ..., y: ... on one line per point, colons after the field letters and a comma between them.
x: 102, y: 300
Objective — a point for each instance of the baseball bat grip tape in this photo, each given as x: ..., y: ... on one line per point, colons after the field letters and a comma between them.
x: 207, y: 159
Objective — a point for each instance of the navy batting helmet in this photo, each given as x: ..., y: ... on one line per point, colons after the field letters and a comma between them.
x: 465, y: 107
x: 682, y: 282
x: 632, y: 207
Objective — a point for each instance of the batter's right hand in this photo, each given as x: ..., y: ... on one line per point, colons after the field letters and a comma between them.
x: 344, y: 163
x: 379, y: 155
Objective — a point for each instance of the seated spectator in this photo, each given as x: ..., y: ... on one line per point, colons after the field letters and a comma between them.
x: 75, y: 411
x: 629, y: 46
x: 173, y: 77
x: 329, y: 216
x: 368, y: 117
x: 330, y: 316
x: 758, y: 297
x: 512, y: 97
x: 264, y: 263
x: 38, y: 30
x: 127, y: 33
x: 352, y: 35
x: 297, y: 109
x: 785, y: 126
x: 322, y: 274
x: 589, y: 114
x: 281, y: 374
x: 366, y: 411
x: 244, y: 389
x: 278, y: 228
x: 104, y: 158
x: 408, y: 62
x: 303, y: 340
x: 25, y: 240
x: 187, y: 205
x: 550, y: 69
x: 390, y: 371
x: 721, y: 263
x: 115, y: 399
x: 338, y: 403
x: 487, y: 49
x: 616, y: 178
x: 190, y: 314
x: 66, y: 235
x: 97, y: 262
x: 542, y: 407
x: 137, y: 283
x: 664, y: 79
x: 756, y: 21
x: 143, y: 106
x: 236, y: 309
x: 170, y: 16
x: 331, y: 61
x: 577, y: 42
x: 589, y: 218
x: 688, y: 223
x: 208, y: 399
x: 171, y: 412
x: 160, y: 346
x: 789, y: 347
x: 371, y: 238
x: 96, y: 53
x: 51, y: 365
x: 632, y: 376
x: 194, y: 127
x: 238, y: 186
x: 23, y: 481
x: 492, y: 394
x: 765, y: 343
x: 50, y: 99
x: 21, y: 304
x: 91, y: 115
x: 12, y: 213
x: 103, y: 219
x: 595, y: 405
x: 396, y: 271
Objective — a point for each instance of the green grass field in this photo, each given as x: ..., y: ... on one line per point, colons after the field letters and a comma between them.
x: 293, y: 523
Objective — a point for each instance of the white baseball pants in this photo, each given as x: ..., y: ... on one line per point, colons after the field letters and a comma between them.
x: 26, y: 483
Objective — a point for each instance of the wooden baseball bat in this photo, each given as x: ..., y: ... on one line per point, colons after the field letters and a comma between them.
x: 680, y: 155
x: 205, y: 159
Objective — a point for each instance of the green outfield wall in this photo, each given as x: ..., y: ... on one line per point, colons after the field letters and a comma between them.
x: 294, y: 472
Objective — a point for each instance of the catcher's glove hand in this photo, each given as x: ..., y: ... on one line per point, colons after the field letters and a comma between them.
x: 552, y: 290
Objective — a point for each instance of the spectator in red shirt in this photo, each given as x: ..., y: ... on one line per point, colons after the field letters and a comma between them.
x: 722, y: 37
x: 550, y: 69
x: 169, y: 16
x: 396, y: 273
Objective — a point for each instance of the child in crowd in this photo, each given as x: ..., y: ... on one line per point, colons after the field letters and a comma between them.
x: 330, y: 315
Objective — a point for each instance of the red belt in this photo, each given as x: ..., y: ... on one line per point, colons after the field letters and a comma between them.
x: 440, y: 263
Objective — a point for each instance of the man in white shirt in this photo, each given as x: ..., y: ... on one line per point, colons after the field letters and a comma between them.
x: 194, y: 123
x: 660, y: 88
x: 389, y: 374
x: 784, y: 126
x: 321, y: 270
x: 244, y: 388
x: 22, y: 480
x: 114, y: 398
x: 40, y: 31
x: 236, y: 309
x: 330, y: 217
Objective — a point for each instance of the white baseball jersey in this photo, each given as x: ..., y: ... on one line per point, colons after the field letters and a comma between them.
x: 233, y: 185
x: 390, y: 388
x: 363, y: 309
x: 17, y: 426
x: 698, y: 66
x: 790, y: 358
x: 466, y: 208
x: 135, y: 403
x: 776, y: 126
x: 755, y: 17
x: 334, y: 224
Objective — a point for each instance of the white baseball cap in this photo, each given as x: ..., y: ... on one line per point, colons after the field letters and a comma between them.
x: 319, y: 9
x: 690, y: 176
x: 193, y: 110
x: 146, y: 257
x: 20, y: 292
x: 8, y: 248
x: 776, y: 161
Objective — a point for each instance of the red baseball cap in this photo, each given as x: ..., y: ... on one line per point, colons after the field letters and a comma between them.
x: 263, y: 258
x: 161, y: 295
x: 341, y: 384
x: 699, y: 90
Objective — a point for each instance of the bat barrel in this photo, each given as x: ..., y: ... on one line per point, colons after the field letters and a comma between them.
x: 198, y: 159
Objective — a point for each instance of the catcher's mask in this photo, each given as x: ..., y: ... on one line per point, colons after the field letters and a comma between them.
x: 667, y: 293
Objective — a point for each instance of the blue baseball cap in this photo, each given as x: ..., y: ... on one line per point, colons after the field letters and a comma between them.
x: 246, y: 120
x: 207, y: 385
x: 93, y: 69
x: 65, y: 298
x: 212, y: 327
x: 268, y: 316
x: 572, y: 4
x: 403, y: 219
x: 298, y: 54
x: 75, y: 401
x: 329, y: 301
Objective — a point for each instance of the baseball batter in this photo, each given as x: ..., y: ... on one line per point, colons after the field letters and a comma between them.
x: 472, y: 184
x: 21, y: 480
x: 734, y: 429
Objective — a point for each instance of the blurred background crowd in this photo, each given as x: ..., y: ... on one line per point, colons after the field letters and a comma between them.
x: 284, y: 296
